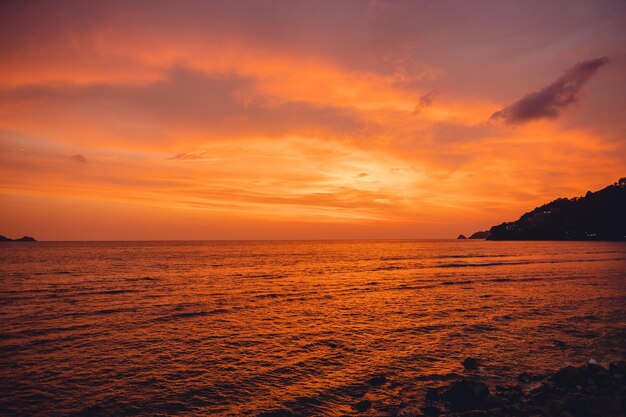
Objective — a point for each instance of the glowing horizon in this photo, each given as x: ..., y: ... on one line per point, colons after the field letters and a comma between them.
x: 261, y: 120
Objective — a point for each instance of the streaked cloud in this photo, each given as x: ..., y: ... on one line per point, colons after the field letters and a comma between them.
x: 549, y: 101
x: 79, y: 158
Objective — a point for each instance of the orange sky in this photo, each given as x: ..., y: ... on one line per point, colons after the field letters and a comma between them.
x: 303, y: 119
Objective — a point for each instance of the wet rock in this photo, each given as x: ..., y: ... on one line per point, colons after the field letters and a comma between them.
x: 618, y: 367
x: 477, y: 413
x: 525, y: 377
x: 362, y: 406
x: 433, y: 394
x: 618, y: 370
x: 357, y: 390
x: 465, y: 394
x: 513, y: 393
x: 588, y: 407
x: 585, y: 391
x: 276, y: 413
x: 410, y: 411
x: 431, y: 411
x: 568, y: 377
x: 390, y: 409
x: 595, y: 370
x: 471, y: 363
x: 377, y: 381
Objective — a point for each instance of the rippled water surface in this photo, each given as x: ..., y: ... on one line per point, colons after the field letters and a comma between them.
x: 241, y: 328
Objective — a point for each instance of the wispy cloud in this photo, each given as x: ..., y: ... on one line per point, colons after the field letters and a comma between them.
x: 79, y: 158
x: 547, y: 102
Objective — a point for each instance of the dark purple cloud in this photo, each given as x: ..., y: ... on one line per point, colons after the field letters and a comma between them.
x: 547, y: 102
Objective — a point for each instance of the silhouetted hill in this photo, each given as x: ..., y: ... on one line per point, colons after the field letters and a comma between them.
x: 461, y: 237
x: 596, y: 216
x: 22, y: 239
x: 481, y: 235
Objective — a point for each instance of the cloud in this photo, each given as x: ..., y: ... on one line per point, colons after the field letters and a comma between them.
x: 79, y: 158
x: 428, y: 98
x: 219, y: 105
x: 191, y: 155
x: 547, y: 102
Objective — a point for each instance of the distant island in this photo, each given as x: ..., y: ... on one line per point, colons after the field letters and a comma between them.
x: 22, y: 239
x: 599, y: 215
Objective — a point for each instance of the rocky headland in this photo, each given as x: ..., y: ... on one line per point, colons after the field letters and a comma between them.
x: 481, y: 235
x: 596, y: 216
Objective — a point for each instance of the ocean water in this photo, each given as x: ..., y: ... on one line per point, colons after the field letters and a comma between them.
x: 293, y: 328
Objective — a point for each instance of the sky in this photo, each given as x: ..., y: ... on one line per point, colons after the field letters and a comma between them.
x: 346, y: 119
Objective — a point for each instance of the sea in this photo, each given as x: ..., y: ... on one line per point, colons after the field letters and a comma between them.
x: 293, y: 328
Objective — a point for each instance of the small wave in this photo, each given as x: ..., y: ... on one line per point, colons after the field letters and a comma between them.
x: 50, y: 330
x: 421, y: 329
x: 112, y: 292
x: 528, y: 262
x: 469, y: 256
x: 279, y: 412
x: 464, y: 282
x: 23, y: 292
x: 329, y: 343
x: 464, y: 265
x: 415, y: 287
x: 324, y: 402
x: 191, y: 314
x: 581, y: 334
x: 113, y: 311
x: 270, y: 295
x: 588, y: 317
x: 438, y: 377
x: 481, y: 328
x: 142, y: 279
x: 264, y: 276
x: 388, y: 268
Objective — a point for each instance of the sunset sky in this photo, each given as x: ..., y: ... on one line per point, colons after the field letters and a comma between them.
x: 303, y: 119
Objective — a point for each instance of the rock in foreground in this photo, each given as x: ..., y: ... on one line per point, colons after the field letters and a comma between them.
x: 586, y: 391
x: 471, y: 363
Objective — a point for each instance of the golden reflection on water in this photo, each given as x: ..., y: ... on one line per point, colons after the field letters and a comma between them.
x: 237, y: 328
